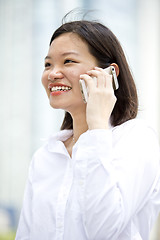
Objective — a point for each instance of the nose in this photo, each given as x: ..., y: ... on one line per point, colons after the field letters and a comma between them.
x: 55, y: 74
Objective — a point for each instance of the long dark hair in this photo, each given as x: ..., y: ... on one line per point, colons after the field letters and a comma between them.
x: 105, y: 47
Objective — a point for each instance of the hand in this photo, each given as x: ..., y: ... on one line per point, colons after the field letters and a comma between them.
x: 101, y: 100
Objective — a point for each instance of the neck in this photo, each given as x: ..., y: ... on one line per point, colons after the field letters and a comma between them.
x: 79, y: 125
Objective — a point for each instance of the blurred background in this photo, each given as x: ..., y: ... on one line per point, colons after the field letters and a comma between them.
x: 26, y: 118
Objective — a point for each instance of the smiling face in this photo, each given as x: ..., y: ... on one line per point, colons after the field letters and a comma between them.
x: 68, y: 57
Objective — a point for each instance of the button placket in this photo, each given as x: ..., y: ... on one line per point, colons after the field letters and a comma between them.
x: 62, y: 200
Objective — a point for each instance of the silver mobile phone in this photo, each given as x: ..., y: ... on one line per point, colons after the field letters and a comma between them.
x: 111, y: 71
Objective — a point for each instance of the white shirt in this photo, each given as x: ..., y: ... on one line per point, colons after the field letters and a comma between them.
x: 108, y: 190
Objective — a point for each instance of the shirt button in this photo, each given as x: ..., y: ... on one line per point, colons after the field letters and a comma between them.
x: 60, y: 225
x: 81, y: 182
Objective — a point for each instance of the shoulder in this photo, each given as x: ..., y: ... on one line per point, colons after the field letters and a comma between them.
x: 133, y: 123
x: 136, y: 128
x: 51, y: 143
x: 136, y: 137
x: 136, y: 144
x: 50, y: 152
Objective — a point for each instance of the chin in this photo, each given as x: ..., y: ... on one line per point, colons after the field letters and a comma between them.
x: 58, y: 105
x: 55, y: 106
x: 70, y: 107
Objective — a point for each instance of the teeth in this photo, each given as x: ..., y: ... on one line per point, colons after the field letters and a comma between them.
x: 60, y: 88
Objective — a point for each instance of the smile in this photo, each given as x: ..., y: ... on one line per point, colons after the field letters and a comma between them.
x: 60, y: 88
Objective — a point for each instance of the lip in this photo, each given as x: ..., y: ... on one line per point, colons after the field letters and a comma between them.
x: 56, y: 93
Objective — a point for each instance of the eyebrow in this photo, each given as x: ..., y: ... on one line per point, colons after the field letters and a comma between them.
x: 64, y: 54
x: 70, y: 52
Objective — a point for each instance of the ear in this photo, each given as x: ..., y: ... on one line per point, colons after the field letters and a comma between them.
x: 116, y: 68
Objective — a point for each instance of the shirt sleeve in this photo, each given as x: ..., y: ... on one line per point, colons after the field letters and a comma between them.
x: 23, y: 230
x: 116, y: 172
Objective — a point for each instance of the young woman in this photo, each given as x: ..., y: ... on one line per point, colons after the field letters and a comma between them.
x: 99, y: 177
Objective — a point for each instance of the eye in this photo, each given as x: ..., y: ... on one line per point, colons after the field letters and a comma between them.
x: 47, y: 64
x: 69, y: 61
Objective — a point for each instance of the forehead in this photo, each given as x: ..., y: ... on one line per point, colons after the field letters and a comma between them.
x: 68, y: 42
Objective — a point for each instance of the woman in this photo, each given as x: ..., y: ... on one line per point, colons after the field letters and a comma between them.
x: 99, y: 177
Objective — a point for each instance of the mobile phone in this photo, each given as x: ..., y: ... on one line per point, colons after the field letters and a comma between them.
x: 110, y: 70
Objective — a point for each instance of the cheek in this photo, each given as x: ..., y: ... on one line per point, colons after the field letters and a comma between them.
x: 44, y: 80
x: 75, y: 75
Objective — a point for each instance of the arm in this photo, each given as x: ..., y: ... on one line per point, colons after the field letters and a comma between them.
x: 23, y: 230
x: 116, y: 174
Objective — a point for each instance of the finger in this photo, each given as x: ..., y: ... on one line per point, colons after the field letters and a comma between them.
x: 100, y: 75
x: 108, y: 78
x: 90, y: 82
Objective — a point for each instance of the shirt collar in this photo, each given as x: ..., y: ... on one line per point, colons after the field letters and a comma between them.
x: 55, y: 141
